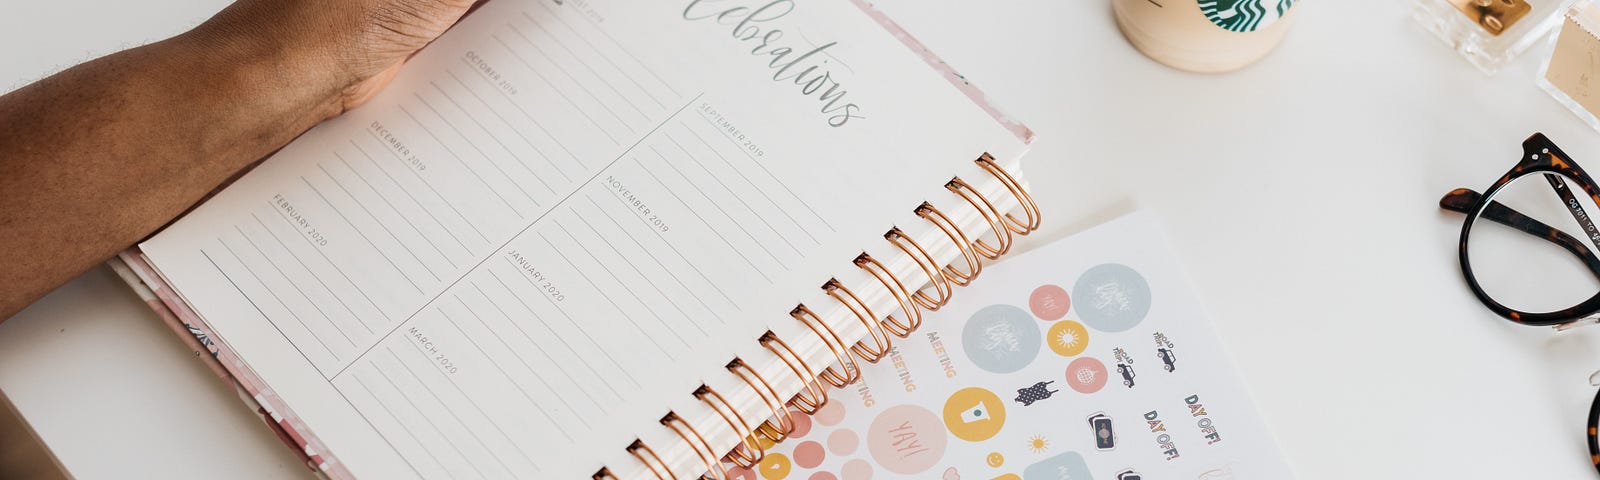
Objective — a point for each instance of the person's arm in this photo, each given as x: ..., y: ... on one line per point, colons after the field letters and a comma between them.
x: 97, y: 157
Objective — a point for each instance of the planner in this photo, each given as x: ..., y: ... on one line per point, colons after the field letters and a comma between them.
x: 597, y: 238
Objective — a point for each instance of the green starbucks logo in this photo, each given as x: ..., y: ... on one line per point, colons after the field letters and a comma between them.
x: 1244, y: 15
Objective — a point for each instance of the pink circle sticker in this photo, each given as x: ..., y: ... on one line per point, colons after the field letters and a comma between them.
x: 907, y: 439
x: 823, y: 476
x: 856, y: 469
x: 1049, y: 302
x: 802, y: 426
x: 809, y: 454
x: 830, y: 414
x: 843, y: 442
x: 1086, y: 375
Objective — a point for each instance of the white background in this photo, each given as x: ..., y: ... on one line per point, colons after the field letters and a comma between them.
x: 1301, y: 194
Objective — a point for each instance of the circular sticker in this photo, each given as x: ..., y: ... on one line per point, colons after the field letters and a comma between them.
x: 906, y: 439
x: 1112, y: 297
x: 1086, y: 375
x: 809, y: 454
x: 856, y: 469
x: 1244, y: 15
x: 1067, y: 338
x: 974, y: 414
x: 843, y: 442
x: 830, y: 413
x: 775, y: 466
x: 1000, y: 339
x: 995, y: 459
x: 1049, y: 302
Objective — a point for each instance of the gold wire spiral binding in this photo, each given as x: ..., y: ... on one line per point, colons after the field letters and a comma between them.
x: 897, y: 288
x: 654, y: 461
x: 604, y: 474
x: 929, y: 267
x: 740, y: 455
x: 974, y: 264
x: 1029, y: 207
x: 774, y: 432
x: 990, y: 214
x: 912, y: 304
x: 881, y: 342
x: 701, y: 447
x: 834, y: 343
x: 807, y: 375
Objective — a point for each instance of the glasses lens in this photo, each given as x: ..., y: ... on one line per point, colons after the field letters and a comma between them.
x: 1544, y: 260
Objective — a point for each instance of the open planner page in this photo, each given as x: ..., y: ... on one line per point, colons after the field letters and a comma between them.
x: 560, y: 218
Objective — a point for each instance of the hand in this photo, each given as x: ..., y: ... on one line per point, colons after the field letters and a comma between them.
x: 343, y: 50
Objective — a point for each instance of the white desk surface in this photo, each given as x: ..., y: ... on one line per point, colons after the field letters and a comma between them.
x: 1301, y: 193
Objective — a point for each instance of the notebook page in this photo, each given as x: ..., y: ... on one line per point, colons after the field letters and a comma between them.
x: 561, y: 217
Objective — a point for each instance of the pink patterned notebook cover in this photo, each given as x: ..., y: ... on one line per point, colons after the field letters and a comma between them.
x: 278, y: 416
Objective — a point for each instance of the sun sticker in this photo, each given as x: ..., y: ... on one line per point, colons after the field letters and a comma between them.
x: 1038, y: 444
x: 1068, y: 338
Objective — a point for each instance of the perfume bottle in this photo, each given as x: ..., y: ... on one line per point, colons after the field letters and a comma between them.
x: 1489, y: 33
x: 1570, y: 70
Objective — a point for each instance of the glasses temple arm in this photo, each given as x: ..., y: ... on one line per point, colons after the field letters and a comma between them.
x: 1462, y: 200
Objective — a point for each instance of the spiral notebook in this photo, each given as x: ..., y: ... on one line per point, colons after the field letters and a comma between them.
x: 592, y: 238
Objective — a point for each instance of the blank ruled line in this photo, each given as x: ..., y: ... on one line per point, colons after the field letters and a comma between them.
x: 759, y: 189
x: 603, y: 80
x: 291, y: 282
x: 402, y: 215
x: 598, y: 53
x: 486, y: 158
x: 536, y: 346
x: 613, y: 303
x: 498, y: 338
x: 471, y: 115
x: 537, y: 406
x: 363, y: 236
x: 286, y: 309
x: 285, y: 246
x: 425, y: 183
x: 525, y: 114
x: 573, y: 323
x: 457, y: 157
x: 381, y: 224
x: 538, y: 320
x: 581, y: 84
x: 654, y: 312
x: 487, y: 419
x: 426, y: 418
x: 747, y: 181
x: 325, y: 258
x: 709, y: 226
x: 614, y: 41
x: 374, y: 427
x: 586, y: 91
x: 452, y: 412
x: 263, y: 313
x: 648, y: 254
x: 717, y: 205
x: 762, y: 216
x: 529, y: 226
x: 402, y: 425
x: 554, y: 88
x: 763, y: 168
x: 646, y: 279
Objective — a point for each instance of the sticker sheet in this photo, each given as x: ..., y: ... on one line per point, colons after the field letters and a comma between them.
x: 1088, y: 358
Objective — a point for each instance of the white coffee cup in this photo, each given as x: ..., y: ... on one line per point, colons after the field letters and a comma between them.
x: 1206, y: 36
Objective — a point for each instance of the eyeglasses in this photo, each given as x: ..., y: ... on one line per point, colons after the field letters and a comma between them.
x: 1526, y: 247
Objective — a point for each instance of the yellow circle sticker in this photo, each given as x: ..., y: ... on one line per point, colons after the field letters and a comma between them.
x: 995, y: 459
x: 974, y: 414
x: 1067, y: 338
x: 774, y: 467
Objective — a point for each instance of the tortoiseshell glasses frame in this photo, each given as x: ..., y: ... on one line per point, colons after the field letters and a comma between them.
x: 1539, y: 156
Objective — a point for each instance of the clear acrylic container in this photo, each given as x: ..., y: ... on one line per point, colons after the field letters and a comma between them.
x: 1489, y: 33
x: 1571, y: 70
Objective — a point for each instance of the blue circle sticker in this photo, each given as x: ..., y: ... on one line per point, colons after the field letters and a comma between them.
x: 1001, y: 338
x: 1111, y: 297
